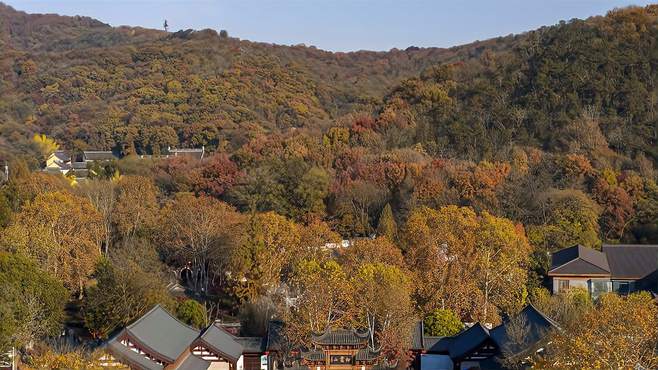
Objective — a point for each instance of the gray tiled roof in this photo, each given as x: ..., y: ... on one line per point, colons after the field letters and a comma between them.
x: 162, y: 333
x: 221, y: 342
x: 194, y: 363
x: 125, y: 355
x: 579, y: 260
x: 341, y: 337
x: 629, y: 261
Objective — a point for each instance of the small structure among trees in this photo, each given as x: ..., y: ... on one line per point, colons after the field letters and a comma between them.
x: 514, y: 342
x: 618, y: 268
x: 340, y: 349
x: 158, y: 340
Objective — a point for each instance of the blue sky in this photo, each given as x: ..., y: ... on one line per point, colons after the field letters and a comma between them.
x: 338, y: 25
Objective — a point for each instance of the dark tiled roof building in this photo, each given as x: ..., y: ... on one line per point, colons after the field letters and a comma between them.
x: 473, y: 343
x: 479, y: 347
x: 535, y: 327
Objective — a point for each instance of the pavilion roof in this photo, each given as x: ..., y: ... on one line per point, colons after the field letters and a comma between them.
x: 341, y: 337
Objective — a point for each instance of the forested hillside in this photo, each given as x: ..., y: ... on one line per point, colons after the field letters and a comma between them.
x: 511, y: 147
x: 114, y: 88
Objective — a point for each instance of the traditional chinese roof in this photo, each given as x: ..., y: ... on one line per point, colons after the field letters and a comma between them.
x: 125, y: 355
x: 194, y: 363
x: 537, y: 326
x: 579, y: 260
x: 98, y: 155
x: 159, y: 334
x: 468, y: 341
x: 366, y: 354
x: 340, y: 337
x: 158, y: 340
x: 221, y: 342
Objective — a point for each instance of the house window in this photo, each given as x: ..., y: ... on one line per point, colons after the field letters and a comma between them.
x: 562, y: 286
x: 598, y: 287
x: 623, y: 287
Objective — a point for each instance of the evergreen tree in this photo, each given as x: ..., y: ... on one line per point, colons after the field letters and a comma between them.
x: 387, y: 226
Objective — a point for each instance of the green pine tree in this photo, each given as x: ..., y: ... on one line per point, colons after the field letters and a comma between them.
x: 387, y: 226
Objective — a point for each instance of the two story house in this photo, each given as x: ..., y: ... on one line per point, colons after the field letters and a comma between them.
x: 622, y: 268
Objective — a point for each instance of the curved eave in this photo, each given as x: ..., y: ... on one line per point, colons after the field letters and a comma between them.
x: 144, y: 347
x: 217, y: 351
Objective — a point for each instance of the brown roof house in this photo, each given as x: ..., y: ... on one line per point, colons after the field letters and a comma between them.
x: 622, y: 268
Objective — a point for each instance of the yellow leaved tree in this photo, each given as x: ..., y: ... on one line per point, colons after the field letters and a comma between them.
x: 62, y: 232
x: 46, y: 145
x: 617, y: 333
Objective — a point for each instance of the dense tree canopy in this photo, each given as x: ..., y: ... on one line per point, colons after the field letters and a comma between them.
x: 32, y: 302
x: 62, y: 233
x: 332, y: 184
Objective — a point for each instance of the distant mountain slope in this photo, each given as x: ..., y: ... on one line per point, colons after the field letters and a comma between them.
x: 138, y: 90
x: 75, y: 77
x: 51, y: 32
